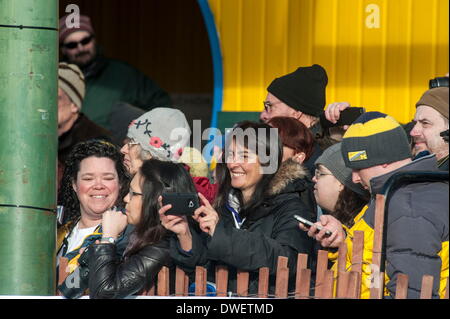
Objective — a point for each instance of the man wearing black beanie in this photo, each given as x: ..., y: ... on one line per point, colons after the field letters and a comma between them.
x: 301, y: 95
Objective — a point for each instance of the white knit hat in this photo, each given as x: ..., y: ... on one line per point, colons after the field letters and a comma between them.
x: 164, y: 132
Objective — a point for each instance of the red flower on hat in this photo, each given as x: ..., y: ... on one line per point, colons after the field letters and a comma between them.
x: 156, y: 142
x: 178, y: 153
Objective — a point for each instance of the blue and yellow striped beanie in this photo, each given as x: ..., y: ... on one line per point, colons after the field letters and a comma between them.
x: 374, y: 139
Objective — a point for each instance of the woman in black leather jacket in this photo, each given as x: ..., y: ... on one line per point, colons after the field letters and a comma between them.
x: 148, y: 248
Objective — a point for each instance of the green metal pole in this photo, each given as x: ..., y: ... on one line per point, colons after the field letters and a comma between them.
x: 28, y: 145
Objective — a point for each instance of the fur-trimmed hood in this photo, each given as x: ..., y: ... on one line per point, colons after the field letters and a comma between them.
x: 288, y: 177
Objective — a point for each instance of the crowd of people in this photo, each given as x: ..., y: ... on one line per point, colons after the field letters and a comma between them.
x: 117, y: 232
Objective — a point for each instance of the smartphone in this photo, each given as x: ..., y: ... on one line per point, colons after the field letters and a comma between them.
x: 182, y: 203
x: 309, y: 224
x: 347, y: 117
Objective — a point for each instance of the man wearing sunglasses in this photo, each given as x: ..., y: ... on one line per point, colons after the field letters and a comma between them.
x: 108, y: 81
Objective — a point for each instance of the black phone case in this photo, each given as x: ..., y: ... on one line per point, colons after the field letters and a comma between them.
x: 347, y: 117
x: 182, y: 203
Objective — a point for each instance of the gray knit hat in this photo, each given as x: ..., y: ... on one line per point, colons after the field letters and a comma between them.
x: 332, y: 159
x: 71, y: 81
x: 164, y: 132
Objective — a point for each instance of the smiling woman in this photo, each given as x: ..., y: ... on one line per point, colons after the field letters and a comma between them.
x: 252, y: 220
x: 94, y: 181
x: 97, y: 188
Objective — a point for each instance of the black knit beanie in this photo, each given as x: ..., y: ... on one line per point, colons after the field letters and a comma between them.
x: 303, y: 89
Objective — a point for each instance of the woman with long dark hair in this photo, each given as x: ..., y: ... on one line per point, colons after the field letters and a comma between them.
x: 148, y: 248
x: 251, y: 222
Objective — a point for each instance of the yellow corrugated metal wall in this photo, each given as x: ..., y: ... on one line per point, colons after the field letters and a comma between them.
x: 378, y: 54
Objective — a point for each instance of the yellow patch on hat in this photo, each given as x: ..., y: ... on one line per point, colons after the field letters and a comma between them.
x: 357, y: 156
x: 372, y: 127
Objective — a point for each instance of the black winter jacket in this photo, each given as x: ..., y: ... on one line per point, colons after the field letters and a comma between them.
x: 267, y: 233
x: 113, y: 278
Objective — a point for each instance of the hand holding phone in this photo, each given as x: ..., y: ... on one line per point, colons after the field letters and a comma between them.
x: 346, y: 117
x: 309, y: 224
x: 176, y: 224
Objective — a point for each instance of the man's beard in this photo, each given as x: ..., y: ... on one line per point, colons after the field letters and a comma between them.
x: 421, y: 147
x: 82, y: 59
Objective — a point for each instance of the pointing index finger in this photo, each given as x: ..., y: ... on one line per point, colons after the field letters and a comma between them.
x: 204, y: 200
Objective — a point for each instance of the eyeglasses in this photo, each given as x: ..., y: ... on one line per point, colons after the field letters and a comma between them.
x: 318, y: 174
x: 74, y: 44
x: 268, y: 105
x: 131, y: 193
x: 131, y: 143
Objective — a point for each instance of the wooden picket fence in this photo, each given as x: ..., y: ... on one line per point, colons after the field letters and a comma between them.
x: 348, y: 281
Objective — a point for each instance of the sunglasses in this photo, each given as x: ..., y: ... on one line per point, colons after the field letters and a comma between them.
x: 74, y: 44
